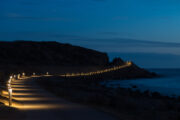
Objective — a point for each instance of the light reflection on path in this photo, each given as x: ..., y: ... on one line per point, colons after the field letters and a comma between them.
x: 38, y: 104
x: 32, y: 97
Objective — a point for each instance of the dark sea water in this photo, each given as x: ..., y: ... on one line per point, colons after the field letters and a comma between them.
x: 168, y: 84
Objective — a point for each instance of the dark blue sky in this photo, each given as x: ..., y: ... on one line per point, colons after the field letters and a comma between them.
x: 113, y: 26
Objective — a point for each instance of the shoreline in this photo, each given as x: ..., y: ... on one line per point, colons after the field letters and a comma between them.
x: 164, y: 85
x: 116, y: 101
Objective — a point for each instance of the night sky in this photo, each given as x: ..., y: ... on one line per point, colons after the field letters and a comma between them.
x: 145, y: 31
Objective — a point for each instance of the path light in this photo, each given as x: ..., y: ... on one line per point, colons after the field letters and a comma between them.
x: 18, y: 76
x: 10, y: 95
x: 9, y: 81
x: 47, y: 73
x: 23, y: 74
x: 15, y: 76
x: 34, y: 74
x: 129, y: 62
x: 8, y: 85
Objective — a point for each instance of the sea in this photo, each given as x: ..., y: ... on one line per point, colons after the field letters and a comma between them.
x: 168, y: 84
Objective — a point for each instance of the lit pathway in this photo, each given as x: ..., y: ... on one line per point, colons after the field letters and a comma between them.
x: 127, y: 64
x: 38, y: 104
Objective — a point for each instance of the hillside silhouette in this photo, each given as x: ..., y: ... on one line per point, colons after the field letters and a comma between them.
x: 58, y: 58
x: 49, y: 53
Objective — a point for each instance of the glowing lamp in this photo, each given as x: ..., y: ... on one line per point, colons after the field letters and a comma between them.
x: 18, y: 76
x: 9, y: 81
x: 10, y: 95
x: 23, y: 74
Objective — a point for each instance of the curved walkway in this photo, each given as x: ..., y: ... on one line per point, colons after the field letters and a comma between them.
x: 39, y: 104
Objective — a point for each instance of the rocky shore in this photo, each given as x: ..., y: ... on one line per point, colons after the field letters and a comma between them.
x: 124, y: 103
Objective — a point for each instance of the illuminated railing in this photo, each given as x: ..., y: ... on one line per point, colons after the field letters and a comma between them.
x: 23, y: 75
x: 8, y: 91
x: 127, y: 64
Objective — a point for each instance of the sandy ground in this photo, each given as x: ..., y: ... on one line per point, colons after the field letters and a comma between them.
x: 38, y: 104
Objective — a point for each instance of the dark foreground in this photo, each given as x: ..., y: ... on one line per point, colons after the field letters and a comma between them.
x: 123, y: 103
x: 8, y: 113
x: 38, y: 104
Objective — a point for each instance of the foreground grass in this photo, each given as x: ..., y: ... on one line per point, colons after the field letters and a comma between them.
x: 124, y: 103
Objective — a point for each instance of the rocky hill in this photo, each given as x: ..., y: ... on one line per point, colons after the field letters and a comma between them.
x: 56, y: 58
x: 49, y: 53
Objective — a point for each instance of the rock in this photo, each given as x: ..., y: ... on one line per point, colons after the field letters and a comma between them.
x: 117, y: 61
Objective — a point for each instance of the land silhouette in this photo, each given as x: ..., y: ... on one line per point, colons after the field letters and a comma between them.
x: 63, y: 81
x: 54, y: 57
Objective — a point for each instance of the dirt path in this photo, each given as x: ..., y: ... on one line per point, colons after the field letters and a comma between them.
x: 39, y: 104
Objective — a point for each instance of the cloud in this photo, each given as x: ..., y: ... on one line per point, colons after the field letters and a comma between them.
x: 100, y: 0
x: 120, y: 18
x: 47, y: 36
x: 60, y: 3
x: 108, y: 33
x: 138, y: 43
x: 105, y: 45
x: 115, y: 33
x: 128, y: 45
x: 22, y: 17
x: 66, y: 37
x: 30, y: 3
x: 13, y: 15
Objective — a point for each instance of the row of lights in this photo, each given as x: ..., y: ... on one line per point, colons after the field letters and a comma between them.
x: 9, y: 83
x: 18, y: 76
x: 10, y: 89
x: 127, y: 64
